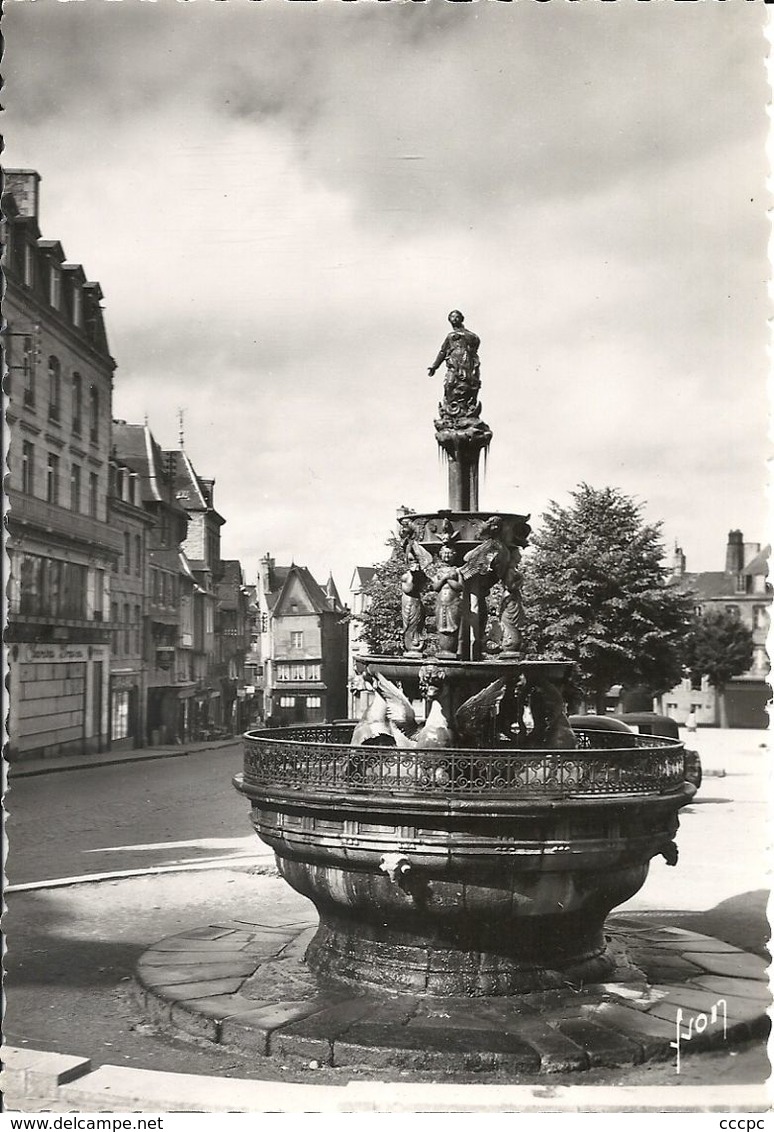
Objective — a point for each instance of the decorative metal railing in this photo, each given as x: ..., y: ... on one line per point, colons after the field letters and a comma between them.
x: 319, y: 758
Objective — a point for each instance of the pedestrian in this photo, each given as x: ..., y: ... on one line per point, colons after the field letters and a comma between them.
x: 690, y: 723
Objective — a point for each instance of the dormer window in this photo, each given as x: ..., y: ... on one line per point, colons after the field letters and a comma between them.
x: 741, y: 583
x: 29, y: 265
x: 55, y: 286
x: 77, y: 305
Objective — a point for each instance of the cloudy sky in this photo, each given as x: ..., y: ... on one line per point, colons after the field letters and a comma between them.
x: 282, y: 201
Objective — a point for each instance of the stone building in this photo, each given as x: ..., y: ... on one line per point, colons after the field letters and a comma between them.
x: 303, y: 645
x: 128, y: 609
x: 168, y: 632
x: 61, y: 547
x: 201, y: 551
x: 742, y: 590
x: 359, y: 694
x: 233, y: 638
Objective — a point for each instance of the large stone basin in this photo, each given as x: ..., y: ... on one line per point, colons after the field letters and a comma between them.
x: 463, y: 872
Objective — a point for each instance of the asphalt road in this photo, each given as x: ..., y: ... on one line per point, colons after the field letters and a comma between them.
x: 136, y: 815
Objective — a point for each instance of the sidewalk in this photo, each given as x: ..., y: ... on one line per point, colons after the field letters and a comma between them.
x: 28, y: 767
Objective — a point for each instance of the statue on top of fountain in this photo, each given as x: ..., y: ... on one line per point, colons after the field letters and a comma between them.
x: 463, y: 381
x: 459, y: 414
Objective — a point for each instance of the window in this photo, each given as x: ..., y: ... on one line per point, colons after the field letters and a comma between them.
x: 137, y: 555
x: 93, y: 414
x: 54, y: 286
x: 127, y: 552
x: 137, y: 628
x: 75, y: 487
x: 297, y: 640
x: 54, y: 389
x: 760, y: 617
x: 264, y: 627
x: 298, y: 672
x: 133, y: 487
x: 29, y: 265
x: 99, y: 594
x: 77, y: 403
x: 114, y: 622
x: 313, y: 671
x: 77, y: 305
x: 28, y: 371
x: 695, y: 682
x: 313, y: 702
x: 28, y: 468
x: 52, y: 478
x: 127, y: 629
x: 733, y: 611
x: 94, y: 495
x: 52, y: 588
x: 287, y: 701
x: 741, y: 584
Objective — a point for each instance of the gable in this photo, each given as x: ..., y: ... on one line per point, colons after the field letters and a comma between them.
x: 294, y: 599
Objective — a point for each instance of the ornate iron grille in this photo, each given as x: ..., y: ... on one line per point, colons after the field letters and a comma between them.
x: 318, y: 758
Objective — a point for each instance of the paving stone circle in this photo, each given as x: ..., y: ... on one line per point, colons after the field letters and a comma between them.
x: 244, y: 984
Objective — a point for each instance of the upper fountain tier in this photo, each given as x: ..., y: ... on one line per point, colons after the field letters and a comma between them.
x: 459, y: 430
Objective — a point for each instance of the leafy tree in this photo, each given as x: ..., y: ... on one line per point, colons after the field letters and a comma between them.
x: 719, y: 646
x: 596, y: 593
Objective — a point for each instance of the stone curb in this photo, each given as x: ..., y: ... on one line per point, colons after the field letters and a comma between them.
x: 221, y: 984
x: 70, y: 1085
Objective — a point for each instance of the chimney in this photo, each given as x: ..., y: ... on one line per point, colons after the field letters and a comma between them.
x: 265, y: 571
x: 23, y: 185
x: 735, y: 553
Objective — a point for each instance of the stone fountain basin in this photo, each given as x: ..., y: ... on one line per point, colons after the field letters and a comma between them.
x: 462, y: 872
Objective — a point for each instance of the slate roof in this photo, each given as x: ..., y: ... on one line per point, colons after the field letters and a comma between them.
x: 136, y: 447
x: 318, y: 598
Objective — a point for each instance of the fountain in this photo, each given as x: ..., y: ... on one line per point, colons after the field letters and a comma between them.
x: 473, y: 849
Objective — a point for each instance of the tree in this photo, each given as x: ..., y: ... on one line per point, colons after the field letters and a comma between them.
x: 596, y: 593
x: 719, y: 646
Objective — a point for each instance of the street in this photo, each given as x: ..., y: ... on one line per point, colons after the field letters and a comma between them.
x: 132, y: 815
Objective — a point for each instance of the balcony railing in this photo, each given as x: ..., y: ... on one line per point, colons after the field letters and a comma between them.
x: 26, y: 511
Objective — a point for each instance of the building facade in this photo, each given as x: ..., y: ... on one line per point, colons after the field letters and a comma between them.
x: 303, y: 646
x: 742, y: 590
x: 128, y: 609
x: 233, y: 624
x: 359, y: 694
x: 201, y: 552
x: 61, y: 546
x: 168, y: 631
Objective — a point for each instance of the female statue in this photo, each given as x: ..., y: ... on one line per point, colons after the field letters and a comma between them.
x: 412, y: 583
x: 449, y: 588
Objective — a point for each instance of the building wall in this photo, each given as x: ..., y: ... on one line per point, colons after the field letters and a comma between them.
x: 60, y: 547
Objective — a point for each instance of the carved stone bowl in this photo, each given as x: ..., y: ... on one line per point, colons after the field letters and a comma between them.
x: 462, y: 872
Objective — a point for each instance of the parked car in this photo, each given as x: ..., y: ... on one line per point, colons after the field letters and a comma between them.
x: 642, y: 723
x: 650, y: 723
